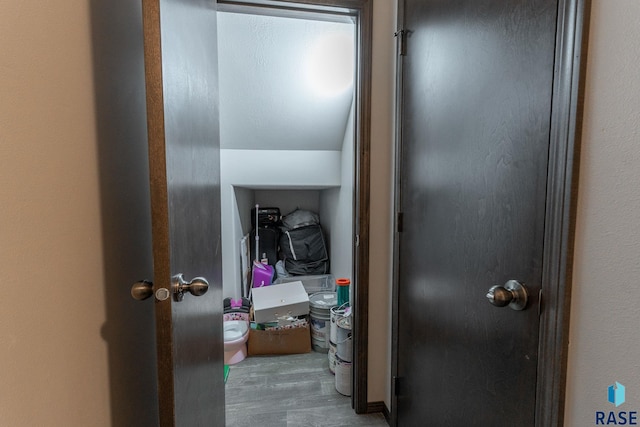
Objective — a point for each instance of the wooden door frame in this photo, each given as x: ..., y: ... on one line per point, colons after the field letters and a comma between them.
x: 362, y: 12
x: 562, y: 182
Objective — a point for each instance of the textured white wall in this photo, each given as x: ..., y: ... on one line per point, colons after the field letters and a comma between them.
x: 266, y: 98
x: 605, y: 311
x: 336, y: 210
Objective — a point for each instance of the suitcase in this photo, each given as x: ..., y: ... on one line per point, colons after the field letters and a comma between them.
x: 266, y: 217
x: 268, y: 238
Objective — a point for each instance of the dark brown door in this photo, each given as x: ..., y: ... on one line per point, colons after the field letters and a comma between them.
x: 182, y: 109
x: 476, y: 105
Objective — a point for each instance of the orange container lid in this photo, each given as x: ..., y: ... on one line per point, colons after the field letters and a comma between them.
x: 343, y: 282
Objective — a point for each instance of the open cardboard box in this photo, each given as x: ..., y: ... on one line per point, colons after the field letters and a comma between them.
x: 280, y: 341
x: 274, y: 301
x: 269, y: 304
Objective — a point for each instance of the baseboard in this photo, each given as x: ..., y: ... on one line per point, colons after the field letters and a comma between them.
x: 373, y: 407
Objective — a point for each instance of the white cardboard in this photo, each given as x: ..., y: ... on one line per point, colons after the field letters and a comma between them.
x: 285, y: 299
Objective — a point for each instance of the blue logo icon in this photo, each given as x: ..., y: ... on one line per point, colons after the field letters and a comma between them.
x: 616, y: 394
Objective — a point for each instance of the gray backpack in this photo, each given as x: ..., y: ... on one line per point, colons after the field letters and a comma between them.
x: 302, y: 244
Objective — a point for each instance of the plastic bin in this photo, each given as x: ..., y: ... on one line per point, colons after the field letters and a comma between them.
x: 312, y: 284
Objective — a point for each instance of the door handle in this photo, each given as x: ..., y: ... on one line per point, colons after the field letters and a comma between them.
x: 513, y: 293
x: 197, y: 287
x: 142, y: 290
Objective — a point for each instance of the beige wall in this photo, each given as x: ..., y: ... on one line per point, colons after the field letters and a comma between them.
x: 605, y: 317
x: 383, y: 81
x: 54, y: 361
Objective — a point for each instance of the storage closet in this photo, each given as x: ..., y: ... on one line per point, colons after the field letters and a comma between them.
x: 333, y: 203
x: 288, y: 141
x: 284, y: 142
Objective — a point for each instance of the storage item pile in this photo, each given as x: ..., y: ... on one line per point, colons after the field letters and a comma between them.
x: 294, y: 302
x: 293, y: 245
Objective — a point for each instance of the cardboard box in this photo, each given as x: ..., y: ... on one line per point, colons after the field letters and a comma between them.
x: 281, y: 341
x: 285, y: 299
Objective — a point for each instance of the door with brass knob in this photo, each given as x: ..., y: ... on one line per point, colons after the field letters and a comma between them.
x: 184, y: 165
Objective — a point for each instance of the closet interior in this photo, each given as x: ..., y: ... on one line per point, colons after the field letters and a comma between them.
x: 287, y: 141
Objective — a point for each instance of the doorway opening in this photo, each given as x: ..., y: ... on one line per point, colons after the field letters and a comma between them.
x: 291, y: 138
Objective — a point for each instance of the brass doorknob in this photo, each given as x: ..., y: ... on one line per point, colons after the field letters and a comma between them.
x: 197, y: 287
x: 513, y: 293
x: 142, y: 290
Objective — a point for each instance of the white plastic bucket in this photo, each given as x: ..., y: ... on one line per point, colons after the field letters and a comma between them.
x: 343, y: 342
x: 319, y: 328
x: 320, y: 304
x: 343, y: 377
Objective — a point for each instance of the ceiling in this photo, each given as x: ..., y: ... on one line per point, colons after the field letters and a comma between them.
x: 271, y: 74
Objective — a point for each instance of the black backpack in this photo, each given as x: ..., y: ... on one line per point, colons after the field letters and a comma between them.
x: 302, y: 244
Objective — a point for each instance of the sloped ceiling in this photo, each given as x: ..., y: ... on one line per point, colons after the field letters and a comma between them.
x: 267, y: 98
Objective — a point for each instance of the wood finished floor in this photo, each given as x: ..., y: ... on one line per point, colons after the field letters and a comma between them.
x: 289, y: 391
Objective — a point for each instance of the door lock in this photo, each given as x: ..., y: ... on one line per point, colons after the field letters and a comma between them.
x: 513, y: 293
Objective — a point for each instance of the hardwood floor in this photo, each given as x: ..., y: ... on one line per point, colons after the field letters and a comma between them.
x: 289, y: 391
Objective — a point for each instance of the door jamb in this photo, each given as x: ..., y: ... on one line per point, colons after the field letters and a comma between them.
x: 362, y: 11
x: 397, y: 200
x: 562, y: 182
x: 562, y: 190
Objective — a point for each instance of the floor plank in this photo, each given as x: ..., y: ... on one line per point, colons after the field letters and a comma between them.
x: 289, y: 391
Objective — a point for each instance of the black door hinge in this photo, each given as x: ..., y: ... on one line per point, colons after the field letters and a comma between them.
x: 399, y: 222
x: 402, y: 40
x: 396, y: 386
